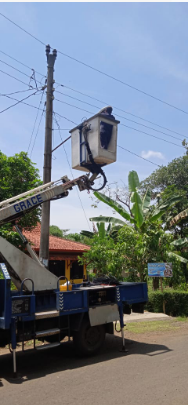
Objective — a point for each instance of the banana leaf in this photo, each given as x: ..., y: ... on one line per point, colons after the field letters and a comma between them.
x: 180, y: 242
x: 113, y: 204
x: 180, y: 258
x: 110, y: 220
x: 136, y: 209
x: 133, y: 181
x: 146, y: 200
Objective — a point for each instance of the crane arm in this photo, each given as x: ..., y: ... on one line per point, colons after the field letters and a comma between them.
x: 17, y: 206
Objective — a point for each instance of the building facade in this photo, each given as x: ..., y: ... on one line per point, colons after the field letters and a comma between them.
x: 63, y: 255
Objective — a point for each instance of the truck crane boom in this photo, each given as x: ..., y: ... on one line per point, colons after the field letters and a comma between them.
x: 19, y: 264
x: 17, y: 206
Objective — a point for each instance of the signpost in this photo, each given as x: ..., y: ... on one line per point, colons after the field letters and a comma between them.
x: 160, y: 270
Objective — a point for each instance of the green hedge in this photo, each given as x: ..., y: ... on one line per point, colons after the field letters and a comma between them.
x: 176, y: 302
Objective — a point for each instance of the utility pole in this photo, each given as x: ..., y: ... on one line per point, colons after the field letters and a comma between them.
x: 45, y: 223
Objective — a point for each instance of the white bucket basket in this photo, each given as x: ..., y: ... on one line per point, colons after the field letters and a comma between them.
x: 80, y: 159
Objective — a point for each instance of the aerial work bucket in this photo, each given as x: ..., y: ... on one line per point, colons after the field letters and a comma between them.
x: 100, y: 133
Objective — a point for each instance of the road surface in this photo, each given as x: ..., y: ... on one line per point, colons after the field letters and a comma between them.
x: 155, y: 371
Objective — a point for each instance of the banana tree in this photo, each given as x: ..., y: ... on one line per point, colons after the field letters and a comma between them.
x: 101, y: 231
x: 140, y: 212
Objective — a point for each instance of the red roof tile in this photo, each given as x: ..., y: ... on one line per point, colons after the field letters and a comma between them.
x: 55, y: 243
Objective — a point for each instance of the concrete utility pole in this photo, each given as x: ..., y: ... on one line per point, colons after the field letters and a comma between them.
x: 45, y: 223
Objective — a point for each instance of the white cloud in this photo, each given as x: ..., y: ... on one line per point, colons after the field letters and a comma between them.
x: 152, y: 153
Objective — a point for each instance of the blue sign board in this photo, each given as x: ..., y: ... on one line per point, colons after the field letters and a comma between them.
x: 160, y: 269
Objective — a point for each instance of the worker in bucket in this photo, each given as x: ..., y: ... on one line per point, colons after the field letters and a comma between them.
x: 105, y: 128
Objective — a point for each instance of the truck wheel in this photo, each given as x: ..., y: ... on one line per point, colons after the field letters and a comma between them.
x: 89, y: 339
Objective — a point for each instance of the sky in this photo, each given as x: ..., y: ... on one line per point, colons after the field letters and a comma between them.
x: 141, y: 44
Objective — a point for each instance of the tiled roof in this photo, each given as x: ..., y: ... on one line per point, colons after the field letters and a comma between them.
x: 55, y: 243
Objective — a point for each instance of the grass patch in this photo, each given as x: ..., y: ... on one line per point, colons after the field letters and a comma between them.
x: 182, y: 319
x: 151, y: 326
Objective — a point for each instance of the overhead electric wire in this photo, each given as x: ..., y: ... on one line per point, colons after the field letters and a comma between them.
x: 117, y: 108
x: 18, y: 80
x: 22, y: 29
x: 12, y: 67
x: 75, y: 106
x: 153, y: 136
x: 98, y: 70
x: 34, y: 106
x: 22, y: 102
x: 96, y: 99
x: 35, y: 121
x: 134, y: 129
x: 19, y: 101
x: 147, y: 160
x: 37, y: 132
x: 16, y: 92
x: 120, y: 116
x: 31, y: 77
x: 71, y: 171
x: 65, y: 118
x: 21, y: 63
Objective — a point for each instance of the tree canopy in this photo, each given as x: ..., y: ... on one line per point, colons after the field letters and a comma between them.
x: 174, y: 174
x: 18, y: 174
x: 166, y: 182
x: 56, y: 231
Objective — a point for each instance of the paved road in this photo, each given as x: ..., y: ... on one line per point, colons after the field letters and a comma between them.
x: 154, y: 372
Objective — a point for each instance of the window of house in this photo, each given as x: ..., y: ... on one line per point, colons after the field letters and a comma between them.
x: 76, y: 271
x: 57, y: 267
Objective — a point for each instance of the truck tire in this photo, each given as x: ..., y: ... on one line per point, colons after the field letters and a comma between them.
x: 89, y: 339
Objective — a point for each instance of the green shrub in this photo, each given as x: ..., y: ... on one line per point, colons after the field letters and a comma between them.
x: 176, y: 302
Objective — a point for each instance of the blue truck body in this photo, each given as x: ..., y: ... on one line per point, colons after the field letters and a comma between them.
x: 24, y: 315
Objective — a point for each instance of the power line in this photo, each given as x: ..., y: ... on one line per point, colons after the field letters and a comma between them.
x: 153, y: 136
x: 36, y: 108
x: 120, y: 116
x: 18, y: 80
x: 117, y: 108
x: 138, y: 156
x: 35, y: 120
x: 75, y: 106
x: 31, y: 77
x: 7, y: 64
x: 37, y: 132
x: 124, y: 83
x: 21, y: 63
x: 65, y: 118
x: 98, y: 70
x: 19, y: 101
x: 71, y: 170
x: 134, y: 129
x: 22, y: 29
x: 16, y: 92
x: 103, y: 102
